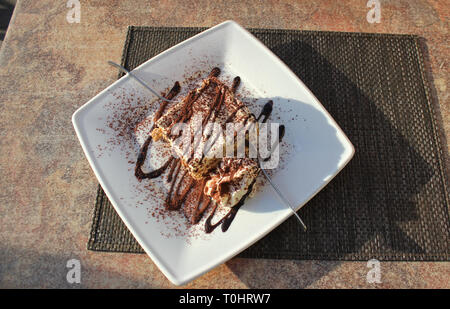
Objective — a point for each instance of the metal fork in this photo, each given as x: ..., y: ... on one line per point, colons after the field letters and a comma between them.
x: 121, y: 68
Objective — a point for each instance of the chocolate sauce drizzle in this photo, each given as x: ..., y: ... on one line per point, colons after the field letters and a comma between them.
x: 144, y: 149
x: 236, y: 83
x: 266, y: 111
x: 175, y: 176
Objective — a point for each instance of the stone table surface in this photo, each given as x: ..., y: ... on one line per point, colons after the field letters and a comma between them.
x: 50, y: 67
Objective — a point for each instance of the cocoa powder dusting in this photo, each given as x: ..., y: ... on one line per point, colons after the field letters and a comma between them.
x: 177, y: 200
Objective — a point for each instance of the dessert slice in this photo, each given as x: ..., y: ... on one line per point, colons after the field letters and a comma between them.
x: 213, y: 102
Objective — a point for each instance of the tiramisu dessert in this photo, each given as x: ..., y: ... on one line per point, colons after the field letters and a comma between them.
x: 201, y: 176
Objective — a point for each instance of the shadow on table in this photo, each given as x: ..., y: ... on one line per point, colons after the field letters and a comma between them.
x: 280, y: 274
x: 363, y: 212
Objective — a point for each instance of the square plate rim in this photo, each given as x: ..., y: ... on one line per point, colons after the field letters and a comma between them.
x: 179, y: 279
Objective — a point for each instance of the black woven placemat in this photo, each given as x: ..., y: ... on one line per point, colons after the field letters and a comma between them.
x: 391, y: 201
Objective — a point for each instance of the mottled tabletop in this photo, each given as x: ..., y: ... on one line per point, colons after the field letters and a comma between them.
x: 53, y: 60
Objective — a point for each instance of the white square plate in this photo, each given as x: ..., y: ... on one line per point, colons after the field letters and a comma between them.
x: 317, y: 149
